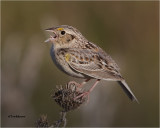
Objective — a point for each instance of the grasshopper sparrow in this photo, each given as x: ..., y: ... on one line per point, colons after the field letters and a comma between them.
x: 76, y: 56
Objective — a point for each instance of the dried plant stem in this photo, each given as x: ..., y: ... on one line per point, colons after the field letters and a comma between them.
x: 64, y: 118
x: 68, y: 97
x: 61, y: 120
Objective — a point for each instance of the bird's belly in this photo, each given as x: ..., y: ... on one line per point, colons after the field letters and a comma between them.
x: 63, y: 65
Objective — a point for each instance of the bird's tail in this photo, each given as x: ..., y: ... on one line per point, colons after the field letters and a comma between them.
x: 127, y: 90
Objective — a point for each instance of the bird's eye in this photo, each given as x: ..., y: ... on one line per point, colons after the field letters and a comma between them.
x: 63, y: 32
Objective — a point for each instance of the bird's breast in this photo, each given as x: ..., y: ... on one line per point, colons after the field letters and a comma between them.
x: 60, y: 62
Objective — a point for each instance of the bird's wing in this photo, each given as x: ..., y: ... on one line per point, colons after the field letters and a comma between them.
x: 96, y: 64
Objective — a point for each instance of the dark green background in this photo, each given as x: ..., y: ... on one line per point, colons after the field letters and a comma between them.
x: 128, y: 31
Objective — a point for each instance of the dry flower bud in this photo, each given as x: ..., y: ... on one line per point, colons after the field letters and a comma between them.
x: 42, y: 121
x: 66, y: 95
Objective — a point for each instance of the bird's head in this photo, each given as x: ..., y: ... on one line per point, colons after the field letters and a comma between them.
x: 64, y: 36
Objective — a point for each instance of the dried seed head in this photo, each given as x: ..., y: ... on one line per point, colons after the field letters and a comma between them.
x: 66, y: 95
x: 42, y: 121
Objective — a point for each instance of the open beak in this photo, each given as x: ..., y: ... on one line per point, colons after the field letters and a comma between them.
x: 52, y: 35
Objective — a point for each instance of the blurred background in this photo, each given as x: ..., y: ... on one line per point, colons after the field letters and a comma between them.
x: 128, y: 31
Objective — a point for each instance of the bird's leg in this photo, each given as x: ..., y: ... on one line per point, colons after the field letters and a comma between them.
x: 90, y: 90
x: 75, y: 83
x: 84, y: 82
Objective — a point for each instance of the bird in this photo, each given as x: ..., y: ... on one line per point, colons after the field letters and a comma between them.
x: 73, y: 54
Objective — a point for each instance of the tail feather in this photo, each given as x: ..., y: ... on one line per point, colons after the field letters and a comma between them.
x: 127, y: 90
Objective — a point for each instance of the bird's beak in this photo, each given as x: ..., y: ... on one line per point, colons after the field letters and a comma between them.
x: 52, y: 37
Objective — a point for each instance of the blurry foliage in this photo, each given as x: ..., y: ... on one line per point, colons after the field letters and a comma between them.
x: 128, y: 31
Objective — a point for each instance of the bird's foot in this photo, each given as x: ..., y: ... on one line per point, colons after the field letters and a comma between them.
x: 83, y: 95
